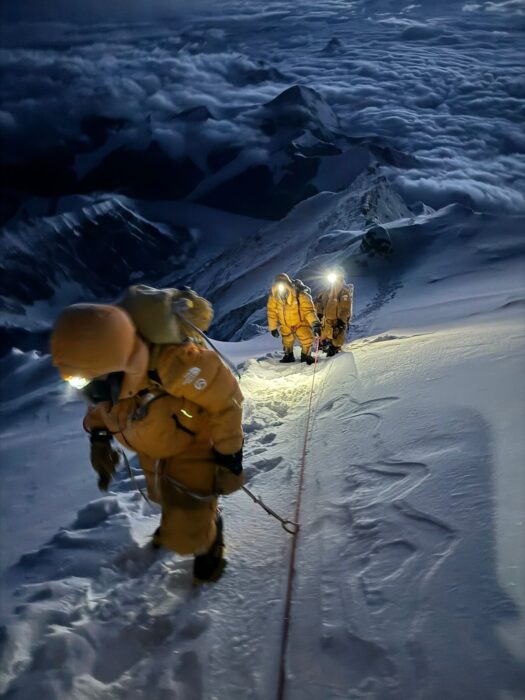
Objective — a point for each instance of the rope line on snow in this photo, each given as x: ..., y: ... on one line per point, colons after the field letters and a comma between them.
x: 291, y: 567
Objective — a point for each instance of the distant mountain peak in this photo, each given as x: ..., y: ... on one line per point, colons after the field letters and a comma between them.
x: 296, y: 95
x: 301, y: 107
x: 334, y: 46
x: 200, y: 113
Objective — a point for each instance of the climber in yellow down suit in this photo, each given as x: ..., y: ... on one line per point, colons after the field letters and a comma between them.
x: 176, y: 405
x: 291, y: 308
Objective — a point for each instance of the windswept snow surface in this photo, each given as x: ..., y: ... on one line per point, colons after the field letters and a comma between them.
x: 410, y: 569
x: 410, y: 573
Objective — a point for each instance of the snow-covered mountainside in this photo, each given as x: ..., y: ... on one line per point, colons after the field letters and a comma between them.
x: 410, y: 569
x: 90, y: 253
x: 216, y: 147
x: 322, y: 231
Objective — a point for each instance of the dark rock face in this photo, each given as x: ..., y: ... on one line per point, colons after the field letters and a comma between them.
x: 98, y: 250
x: 254, y: 192
x: 226, y: 327
x: 97, y: 128
x: 260, y: 73
x: 195, y: 114
x: 333, y: 47
x: 48, y: 174
x: 146, y: 174
x: 299, y: 108
x: 220, y: 157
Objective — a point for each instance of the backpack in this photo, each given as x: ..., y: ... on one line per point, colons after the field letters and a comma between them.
x: 167, y: 316
x: 300, y: 288
x: 170, y: 316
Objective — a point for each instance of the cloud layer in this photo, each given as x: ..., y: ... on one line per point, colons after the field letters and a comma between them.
x: 446, y: 86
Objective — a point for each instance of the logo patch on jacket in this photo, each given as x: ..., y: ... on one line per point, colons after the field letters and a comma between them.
x: 191, y: 375
x: 200, y: 384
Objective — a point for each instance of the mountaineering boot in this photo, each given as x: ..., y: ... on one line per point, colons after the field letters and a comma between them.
x: 306, y: 357
x: 209, y: 567
x: 156, y: 541
x: 288, y: 357
x: 331, y: 351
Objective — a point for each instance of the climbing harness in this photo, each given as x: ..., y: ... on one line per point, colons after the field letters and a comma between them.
x: 288, y: 525
x: 291, y: 568
x: 203, y: 498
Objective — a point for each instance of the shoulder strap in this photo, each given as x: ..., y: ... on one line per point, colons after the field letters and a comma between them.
x: 297, y: 293
x: 346, y: 288
x: 154, y: 353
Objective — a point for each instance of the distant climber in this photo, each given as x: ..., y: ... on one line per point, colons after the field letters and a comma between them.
x: 376, y: 241
x: 334, y: 308
x: 291, y: 308
x: 159, y: 393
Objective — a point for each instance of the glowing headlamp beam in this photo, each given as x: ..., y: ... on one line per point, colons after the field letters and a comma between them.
x: 281, y: 288
x: 77, y: 382
x: 331, y: 277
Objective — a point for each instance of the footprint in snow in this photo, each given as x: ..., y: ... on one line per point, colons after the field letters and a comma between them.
x: 189, y: 674
x: 267, y: 439
x: 195, y: 625
x: 266, y: 465
x: 96, y: 513
x: 261, y: 466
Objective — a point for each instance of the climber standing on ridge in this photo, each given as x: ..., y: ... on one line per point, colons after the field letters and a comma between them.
x: 334, y: 307
x: 158, y: 392
x: 291, y: 307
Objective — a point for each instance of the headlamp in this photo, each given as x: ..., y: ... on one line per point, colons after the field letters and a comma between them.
x: 77, y: 382
x: 281, y: 288
x: 107, y: 387
x: 332, y: 277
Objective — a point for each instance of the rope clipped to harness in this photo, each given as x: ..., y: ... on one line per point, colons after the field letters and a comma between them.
x: 203, y: 498
x: 288, y: 525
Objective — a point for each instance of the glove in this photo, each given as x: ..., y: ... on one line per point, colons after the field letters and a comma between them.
x: 338, y: 328
x: 275, y: 333
x: 104, y: 458
x: 316, y: 328
x: 229, y: 476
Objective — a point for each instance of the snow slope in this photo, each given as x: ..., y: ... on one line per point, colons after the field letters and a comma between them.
x: 410, y: 570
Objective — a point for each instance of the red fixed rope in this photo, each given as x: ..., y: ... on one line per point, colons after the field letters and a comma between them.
x: 291, y: 568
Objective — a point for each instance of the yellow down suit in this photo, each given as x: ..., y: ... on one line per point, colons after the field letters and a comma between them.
x: 294, y: 312
x: 334, y: 307
x: 172, y: 416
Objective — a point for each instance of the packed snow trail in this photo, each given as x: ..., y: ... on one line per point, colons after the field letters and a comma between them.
x: 98, y: 596
x: 410, y: 579
x: 397, y: 592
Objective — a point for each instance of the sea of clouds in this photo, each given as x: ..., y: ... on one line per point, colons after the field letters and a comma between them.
x: 443, y: 81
